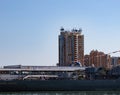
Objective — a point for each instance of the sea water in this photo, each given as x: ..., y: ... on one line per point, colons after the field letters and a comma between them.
x: 63, y: 93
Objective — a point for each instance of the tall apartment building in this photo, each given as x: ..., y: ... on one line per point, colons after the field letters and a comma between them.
x: 71, y: 47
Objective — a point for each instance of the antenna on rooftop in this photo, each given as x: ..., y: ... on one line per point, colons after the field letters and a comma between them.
x: 62, y: 29
x: 80, y: 30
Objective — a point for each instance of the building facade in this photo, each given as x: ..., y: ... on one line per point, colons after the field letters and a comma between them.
x: 115, y: 61
x: 71, y: 47
x: 97, y: 59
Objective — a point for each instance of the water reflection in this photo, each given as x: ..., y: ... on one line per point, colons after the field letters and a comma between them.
x: 64, y: 93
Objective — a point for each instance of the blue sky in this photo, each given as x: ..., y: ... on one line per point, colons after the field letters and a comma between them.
x: 29, y: 29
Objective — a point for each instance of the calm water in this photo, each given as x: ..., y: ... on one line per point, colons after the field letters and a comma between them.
x: 64, y: 93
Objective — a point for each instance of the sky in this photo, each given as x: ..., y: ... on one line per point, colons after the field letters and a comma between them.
x: 29, y: 29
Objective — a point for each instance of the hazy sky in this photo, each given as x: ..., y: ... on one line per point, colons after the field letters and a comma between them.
x: 29, y: 29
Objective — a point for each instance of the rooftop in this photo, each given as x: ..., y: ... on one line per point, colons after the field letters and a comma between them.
x: 41, y: 68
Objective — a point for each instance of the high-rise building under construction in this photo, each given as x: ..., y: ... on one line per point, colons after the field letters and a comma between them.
x: 71, y: 47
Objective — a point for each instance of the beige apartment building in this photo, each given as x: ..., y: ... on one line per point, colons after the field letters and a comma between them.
x: 97, y: 59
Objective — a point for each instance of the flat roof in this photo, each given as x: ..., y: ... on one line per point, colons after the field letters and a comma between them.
x: 42, y: 68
